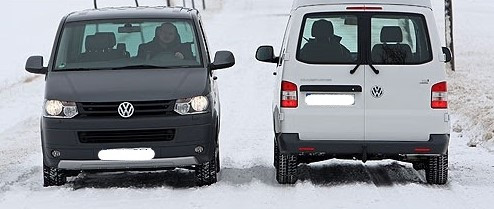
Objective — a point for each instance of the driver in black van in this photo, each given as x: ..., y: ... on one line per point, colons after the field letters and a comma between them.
x: 166, y: 41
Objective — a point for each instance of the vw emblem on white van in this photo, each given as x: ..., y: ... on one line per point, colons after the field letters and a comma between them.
x: 377, y: 92
x: 126, y: 110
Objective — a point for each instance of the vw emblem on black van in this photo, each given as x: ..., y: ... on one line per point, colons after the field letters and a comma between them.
x: 377, y: 92
x: 126, y: 110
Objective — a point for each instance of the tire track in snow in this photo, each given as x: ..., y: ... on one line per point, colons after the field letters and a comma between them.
x: 25, y: 176
x: 21, y: 147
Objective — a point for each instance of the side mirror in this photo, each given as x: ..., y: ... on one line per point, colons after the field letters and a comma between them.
x: 34, y: 65
x: 447, y: 54
x: 223, y: 59
x: 266, y: 54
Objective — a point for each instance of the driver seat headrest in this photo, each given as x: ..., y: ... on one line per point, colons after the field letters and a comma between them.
x: 100, y: 41
x: 391, y: 34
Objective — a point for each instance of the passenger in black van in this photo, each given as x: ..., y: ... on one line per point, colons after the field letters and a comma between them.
x: 167, y: 41
x: 326, y: 46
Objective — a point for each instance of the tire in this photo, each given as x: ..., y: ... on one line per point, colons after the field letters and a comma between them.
x: 218, y: 164
x: 286, y: 169
x: 276, y: 153
x: 436, y: 171
x: 53, y: 177
x: 207, y: 173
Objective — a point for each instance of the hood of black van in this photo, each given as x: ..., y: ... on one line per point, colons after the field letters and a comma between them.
x: 126, y: 85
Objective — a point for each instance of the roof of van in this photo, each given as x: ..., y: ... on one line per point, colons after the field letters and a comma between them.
x: 131, y: 12
x: 420, y: 3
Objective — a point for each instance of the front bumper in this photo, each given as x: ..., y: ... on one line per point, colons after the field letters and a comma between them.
x: 189, y: 132
x: 437, y: 145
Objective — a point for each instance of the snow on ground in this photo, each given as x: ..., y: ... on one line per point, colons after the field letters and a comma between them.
x: 471, y: 86
x: 247, y: 178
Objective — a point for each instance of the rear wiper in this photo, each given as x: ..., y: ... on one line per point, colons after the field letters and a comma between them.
x: 355, y: 69
x: 376, y: 71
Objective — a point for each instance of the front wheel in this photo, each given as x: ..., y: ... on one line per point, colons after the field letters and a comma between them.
x: 207, y: 173
x: 53, y: 177
x: 436, y: 171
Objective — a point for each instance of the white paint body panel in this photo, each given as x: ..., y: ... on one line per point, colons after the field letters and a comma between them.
x: 402, y: 114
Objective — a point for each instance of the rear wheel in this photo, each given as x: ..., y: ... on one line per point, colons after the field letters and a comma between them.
x: 436, y: 171
x: 207, y: 173
x: 53, y: 177
x: 276, y: 153
x: 286, y: 169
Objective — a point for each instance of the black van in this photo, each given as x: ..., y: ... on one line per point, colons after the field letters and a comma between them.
x: 130, y: 89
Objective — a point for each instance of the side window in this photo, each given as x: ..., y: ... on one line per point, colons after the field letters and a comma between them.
x: 399, y: 40
x: 329, y: 39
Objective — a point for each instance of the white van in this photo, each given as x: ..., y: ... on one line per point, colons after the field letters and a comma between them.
x: 360, y: 79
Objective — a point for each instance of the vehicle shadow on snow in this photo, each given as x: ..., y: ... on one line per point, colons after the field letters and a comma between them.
x: 327, y: 174
x: 175, y: 178
x: 333, y: 174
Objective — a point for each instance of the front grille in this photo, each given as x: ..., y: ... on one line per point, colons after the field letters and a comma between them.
x: 126, y: 136
x: 110, y: 109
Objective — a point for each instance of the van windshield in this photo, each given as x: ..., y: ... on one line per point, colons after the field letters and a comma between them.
x: 387, y: 38
x: 121, y: 44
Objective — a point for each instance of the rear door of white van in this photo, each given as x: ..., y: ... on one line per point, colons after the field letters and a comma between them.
x: 407, y: 100
x: 320, y: 98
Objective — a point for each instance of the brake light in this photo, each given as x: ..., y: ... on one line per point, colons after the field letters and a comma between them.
x: 306, y: 149
x: 439, y: 93
x: 364, y: 8
x: 422, y: 149
x: 289, y: 98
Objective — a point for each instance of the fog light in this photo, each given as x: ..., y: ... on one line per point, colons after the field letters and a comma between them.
x: 199, y: 149
x: 55, y: 153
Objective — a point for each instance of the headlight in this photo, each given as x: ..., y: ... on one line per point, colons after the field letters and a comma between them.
x: 60, y: 109
x: 195, y: 105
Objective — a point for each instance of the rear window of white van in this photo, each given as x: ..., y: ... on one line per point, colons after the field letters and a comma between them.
x: 329, y: 39
x: 399, y: 39
x: 386, y: 39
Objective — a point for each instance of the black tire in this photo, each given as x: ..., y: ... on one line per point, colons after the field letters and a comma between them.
x: 53, y: 177
x: 207, y: 173
x: 286, y: 169
x: 436, y: 171
x: 276, y: 153
x: 218, y: 164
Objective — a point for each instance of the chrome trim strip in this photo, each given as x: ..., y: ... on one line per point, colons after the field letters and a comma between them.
x: 103, y: 165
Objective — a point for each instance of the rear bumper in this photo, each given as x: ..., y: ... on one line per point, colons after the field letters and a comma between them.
x: 437, y: 144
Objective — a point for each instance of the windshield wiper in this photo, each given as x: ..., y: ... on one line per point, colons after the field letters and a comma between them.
x: 76, y: 69
x: 130, y: 67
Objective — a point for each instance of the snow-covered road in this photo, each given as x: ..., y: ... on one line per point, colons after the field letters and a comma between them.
x: 247, y: 177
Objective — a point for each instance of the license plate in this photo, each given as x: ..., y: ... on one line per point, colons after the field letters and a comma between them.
x: 134, y: 154
x: 330, y: 99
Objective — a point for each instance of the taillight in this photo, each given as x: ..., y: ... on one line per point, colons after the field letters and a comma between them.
x: 289, y: 98
x: 439, y: 98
